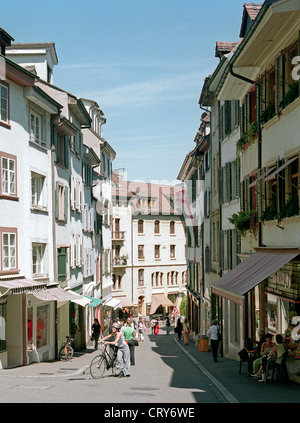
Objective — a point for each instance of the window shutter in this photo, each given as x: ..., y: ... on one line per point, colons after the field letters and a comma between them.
x: 278, y: 82
x: 221, y: 250
x: 221, y: 124
x: 247, y: 194
x: 220, y: 183
x: 263, y: 94
x: 99, y: 223
x: 242, y: 125
x: 56, y: 201
x: 62, y: 264
x: 257, y: 104
x: 54, y: 141
x: 247, y: 112
x: 227, y: 117
x: 66, y: 151
x: 66, y: 203
x: 228, y: 180
x: 237, y: 113
x: 242, y: 196
x: 237, y: 178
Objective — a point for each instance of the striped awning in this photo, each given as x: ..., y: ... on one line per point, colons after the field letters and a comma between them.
x: 22, y: 285
x: 255, y: 269
x: 159, y: 299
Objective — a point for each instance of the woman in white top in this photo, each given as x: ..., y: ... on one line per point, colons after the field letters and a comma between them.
x: 213, y: 334
x: 123, y: 357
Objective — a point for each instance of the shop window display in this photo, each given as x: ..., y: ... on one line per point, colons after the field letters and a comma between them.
x: 42, y: 325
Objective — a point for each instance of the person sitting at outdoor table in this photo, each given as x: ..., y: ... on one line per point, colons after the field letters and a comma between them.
x: 276, y: 353
x: 255, y: 353
x: 265, y: 349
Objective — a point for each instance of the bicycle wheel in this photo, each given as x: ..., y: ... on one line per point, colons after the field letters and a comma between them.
x: 66, y: 353
x: 98, y: 367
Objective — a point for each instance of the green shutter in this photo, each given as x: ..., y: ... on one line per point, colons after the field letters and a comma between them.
x: 54, y: 141
x: 228, y: 181
x: 220, y: 185
x: 278, y: 82
x: 247, y: 194
x: 62, y: 264
x: 66, y: 204
x: 227, y: 117
x: 66, y: 151
x: 242, y: 196
x: 242, y: 125
x: 237, y: 178
x: 221, y: 250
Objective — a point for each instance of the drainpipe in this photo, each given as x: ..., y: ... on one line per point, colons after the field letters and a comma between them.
x: 55, y: 274
x: 259, y: 133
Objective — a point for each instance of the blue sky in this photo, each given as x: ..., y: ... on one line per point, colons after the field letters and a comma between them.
x: 143, y: 61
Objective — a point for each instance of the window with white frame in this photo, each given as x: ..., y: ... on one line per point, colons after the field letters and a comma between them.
x: 3, y: 103
x: 9, y: 249
x: 38, y: 259
x: 8, y: 175
x: 35, y: 128
x: 38, y: 191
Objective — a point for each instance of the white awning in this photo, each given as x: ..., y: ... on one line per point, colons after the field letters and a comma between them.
x: 113, y: 303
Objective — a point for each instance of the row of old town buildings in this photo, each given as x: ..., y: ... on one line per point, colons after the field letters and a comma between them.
x: 243, y: 255
x: 77, y: 241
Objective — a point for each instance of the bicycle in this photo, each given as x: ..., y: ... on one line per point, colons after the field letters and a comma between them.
x: 66, y: 352
x: 104, y: 364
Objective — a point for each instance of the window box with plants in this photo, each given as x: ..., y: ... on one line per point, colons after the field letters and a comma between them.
x: 248, y: 138
x: 290, y: 96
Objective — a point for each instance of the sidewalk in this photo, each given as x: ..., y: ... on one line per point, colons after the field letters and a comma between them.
x: 239, y: 388
x: 76, y: 366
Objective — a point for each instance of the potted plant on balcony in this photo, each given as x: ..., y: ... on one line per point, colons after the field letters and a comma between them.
x: 124, y: 259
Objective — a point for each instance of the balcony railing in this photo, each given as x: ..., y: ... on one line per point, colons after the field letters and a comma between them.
x: 118, y: 236
x: 119, y: 262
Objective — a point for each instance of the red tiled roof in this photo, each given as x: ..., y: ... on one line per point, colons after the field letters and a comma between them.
x: 223, y: 48
x: 146, y: 198
x: 252, y: 9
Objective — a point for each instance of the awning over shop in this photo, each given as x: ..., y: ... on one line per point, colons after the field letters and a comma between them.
x: 21, y: 286
x: 113, y: 303
x: 60, y: 295
x: 95, y: 302
x: 159, y: 299
x: 124, y: 301
x: 255, y: 269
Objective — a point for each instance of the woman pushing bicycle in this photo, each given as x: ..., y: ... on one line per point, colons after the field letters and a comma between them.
x: 123, y: 357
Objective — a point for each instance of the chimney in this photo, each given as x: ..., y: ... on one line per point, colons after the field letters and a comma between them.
x: 5, y: 40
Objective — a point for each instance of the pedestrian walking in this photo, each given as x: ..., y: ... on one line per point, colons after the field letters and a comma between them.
x: 123, y: 357
x: 214, y: 334
x: 179, y: 329
x: 153, y: 324
x: 129, y: 335
x: 156, y: 329
x: 168, y: 326
x: 186, y: 331
x: 96, y: 332
x: 141, y: 330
